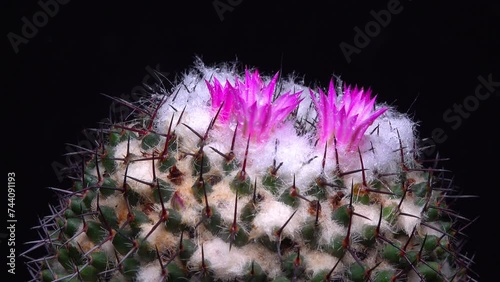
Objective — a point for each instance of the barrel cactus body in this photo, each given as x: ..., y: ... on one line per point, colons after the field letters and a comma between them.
x: 237, y: 176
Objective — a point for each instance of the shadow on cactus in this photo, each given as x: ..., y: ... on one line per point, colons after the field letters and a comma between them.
x: 234, y: 176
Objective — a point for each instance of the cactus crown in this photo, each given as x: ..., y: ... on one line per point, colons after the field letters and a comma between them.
x: 251, y: 103
x: 230, y: 177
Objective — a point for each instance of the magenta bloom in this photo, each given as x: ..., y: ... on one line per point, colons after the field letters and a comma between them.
x: 251, y: 103
x: 345, y: 117
x: 256, y: 112
x: 220, y: 94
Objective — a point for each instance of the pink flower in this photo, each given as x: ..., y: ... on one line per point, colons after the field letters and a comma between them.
x: 220, y: 94
x: 345, y: 117
x: 251, y: 103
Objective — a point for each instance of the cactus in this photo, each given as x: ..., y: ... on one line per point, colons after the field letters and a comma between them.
x: 232, y: 176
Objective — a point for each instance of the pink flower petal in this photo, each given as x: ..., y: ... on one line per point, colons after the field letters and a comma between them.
x: 250, y: 103
x: 345, y: 117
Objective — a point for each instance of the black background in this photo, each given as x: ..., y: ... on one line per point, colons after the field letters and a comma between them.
x: 426, y: 59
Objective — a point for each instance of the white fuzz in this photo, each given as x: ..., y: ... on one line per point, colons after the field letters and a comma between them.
x: 150, y: 272
x: 432, y: 231
x: 386, y: 134
x: 134, y: 148
x: 273, y: 215
x: 407, y: 222
x: 222, y: 198
x: 136, y: 170
x: 318, y: 261
x: 370, y: 211
x: 160, y: 237
x: 222, y: 261
x: 312, y: 168
x: 268, y: 260
x: 329, y: 228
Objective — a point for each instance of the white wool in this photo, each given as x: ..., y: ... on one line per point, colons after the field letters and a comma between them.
x: 198, y: 119
x: 405, y: 222
x: 318, y: 261
x: 146, y: 228
x: 311, y: 169
x: 193, y: 97
x: 432, y: 231
x: 233, y: 263
x: 150, y: 272
x: 329, y: 228
x: 222, y: 144
x: 268, y: 261
x: 384, y: 137
x: 274, y: 214
x: 136, y: 169
x: 228, y: 263
x: 222, y: 73
x: 134, y: 148
x: 143, y: 173
x: 223, y: 199
x: 305, y: 110
x: 372, y: 212
x: 160, y: 237
x: 291, y: 149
